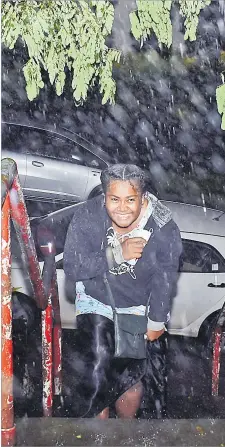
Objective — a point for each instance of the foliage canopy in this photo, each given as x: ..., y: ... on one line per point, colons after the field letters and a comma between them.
x: 62, y: 35
x: 70, y: 35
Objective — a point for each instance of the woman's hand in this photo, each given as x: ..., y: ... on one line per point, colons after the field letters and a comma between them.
x: 154, y: 335
x: 133, y: 247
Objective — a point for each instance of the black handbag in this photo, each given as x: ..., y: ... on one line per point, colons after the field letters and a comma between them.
x: 130, y: 331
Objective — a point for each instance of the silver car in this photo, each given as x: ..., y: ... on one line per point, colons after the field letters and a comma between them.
x: 54, y: 165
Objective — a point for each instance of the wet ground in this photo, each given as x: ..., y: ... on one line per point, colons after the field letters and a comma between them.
x: 189, y: 380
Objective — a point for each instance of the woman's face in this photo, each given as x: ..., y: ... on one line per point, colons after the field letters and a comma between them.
x: 123, y: 201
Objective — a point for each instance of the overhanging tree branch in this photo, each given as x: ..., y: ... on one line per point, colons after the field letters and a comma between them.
x: 154, y: 17
x: 63, y: 35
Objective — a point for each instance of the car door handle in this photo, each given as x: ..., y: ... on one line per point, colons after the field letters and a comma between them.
x: 38, y: 164
x: 222, y: 285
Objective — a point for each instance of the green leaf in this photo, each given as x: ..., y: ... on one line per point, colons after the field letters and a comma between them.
x: 220, y: 98
x: 190, y: 9
x: 152, y: 16
x: 135, y: 25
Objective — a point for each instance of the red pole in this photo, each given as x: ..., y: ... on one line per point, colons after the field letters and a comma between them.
x: 57, y: 360
x: 8, y: 430
x: 216, y: 360
x: 217, y: 336
x: 47, y: 359
x: 47, y: 245
x: 57, y: 339
x: 22, y: 226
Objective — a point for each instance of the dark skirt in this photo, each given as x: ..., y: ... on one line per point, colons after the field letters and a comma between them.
x: 94, y: 379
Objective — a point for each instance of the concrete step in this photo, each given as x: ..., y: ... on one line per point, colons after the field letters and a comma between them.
x: 116, y: 432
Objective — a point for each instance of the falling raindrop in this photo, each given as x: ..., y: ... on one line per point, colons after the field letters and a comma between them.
x: 181, y: 50
x: 146, y: 141
x: 203, y: 202
x: 222, y: 7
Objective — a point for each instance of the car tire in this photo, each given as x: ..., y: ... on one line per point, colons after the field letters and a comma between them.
x: 95, y: 192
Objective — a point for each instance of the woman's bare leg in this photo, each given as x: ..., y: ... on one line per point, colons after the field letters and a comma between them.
x: 104, y: 414
x: 128, y: 404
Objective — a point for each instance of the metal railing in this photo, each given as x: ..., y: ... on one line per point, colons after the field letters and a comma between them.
x: 218, y: 339
x: 45, y: 293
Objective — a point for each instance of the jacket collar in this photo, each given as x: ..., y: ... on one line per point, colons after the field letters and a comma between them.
x: 160, y: 213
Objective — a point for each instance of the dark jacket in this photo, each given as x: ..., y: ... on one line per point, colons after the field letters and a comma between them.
x: 85, y: 259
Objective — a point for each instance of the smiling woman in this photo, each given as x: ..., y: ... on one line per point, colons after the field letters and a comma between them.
x: 121, y: 253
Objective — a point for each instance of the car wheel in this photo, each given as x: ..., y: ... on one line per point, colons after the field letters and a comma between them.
x: 95, y: 192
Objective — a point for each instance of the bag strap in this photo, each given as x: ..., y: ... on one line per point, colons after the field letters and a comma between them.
x: 109, y: 292
x: 147, y: 304
x: 111, y: 299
